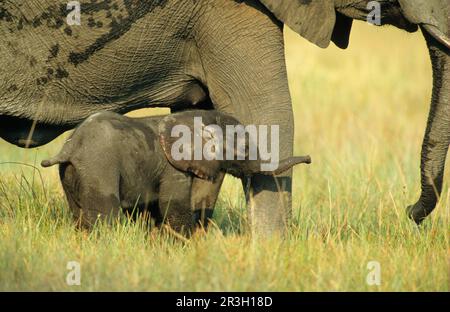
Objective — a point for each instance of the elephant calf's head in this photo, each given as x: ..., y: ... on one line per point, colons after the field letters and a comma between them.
x: 206, y: 143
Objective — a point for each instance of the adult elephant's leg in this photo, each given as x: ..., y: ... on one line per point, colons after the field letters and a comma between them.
x: 242, y: 55
x: 437, y: 136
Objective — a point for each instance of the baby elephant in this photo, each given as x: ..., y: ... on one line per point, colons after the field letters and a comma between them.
x: 112, y: 162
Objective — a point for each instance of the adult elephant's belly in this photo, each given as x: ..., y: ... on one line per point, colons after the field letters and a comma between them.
x: 37, y: 121
x: 34, y: 120
x: 53, y: 76
x: 27, y: 133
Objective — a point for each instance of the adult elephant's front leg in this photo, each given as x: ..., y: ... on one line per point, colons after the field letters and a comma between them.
x: 269, y: 203
x: 242, y: 56
x: 269, y: 198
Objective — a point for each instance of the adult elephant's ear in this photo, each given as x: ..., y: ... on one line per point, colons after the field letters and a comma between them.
x: 193, y: 141
x: 433, y: 15
x: 315, y: 20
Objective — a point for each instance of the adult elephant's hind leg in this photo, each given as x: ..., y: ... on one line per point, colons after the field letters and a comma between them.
x: 242, y: 54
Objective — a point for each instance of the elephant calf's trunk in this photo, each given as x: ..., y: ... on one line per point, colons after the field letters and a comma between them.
x: 288, y: 163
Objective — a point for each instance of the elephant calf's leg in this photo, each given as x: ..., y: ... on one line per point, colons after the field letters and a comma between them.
x: 91, y: 197
x: 204, y: 195
x: 174, y: 203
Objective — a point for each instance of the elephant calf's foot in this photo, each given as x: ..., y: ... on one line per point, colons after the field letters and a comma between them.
x: 202, y: 218
x: 419, y: 211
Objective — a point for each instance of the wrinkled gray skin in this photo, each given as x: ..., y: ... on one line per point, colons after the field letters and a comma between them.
x: 112, y: 162
x: 221, y: 54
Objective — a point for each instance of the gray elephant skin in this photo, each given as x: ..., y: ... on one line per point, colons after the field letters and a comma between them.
x: 112, y: 162
x: 222, y: 54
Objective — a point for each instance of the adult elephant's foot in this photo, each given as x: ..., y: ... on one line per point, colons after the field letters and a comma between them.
x: 269, y: 205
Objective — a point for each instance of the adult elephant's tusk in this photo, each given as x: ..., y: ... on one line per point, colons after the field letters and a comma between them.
x: 438, y: 35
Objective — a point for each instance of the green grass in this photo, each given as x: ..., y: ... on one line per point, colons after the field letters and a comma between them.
x: 360, y: 113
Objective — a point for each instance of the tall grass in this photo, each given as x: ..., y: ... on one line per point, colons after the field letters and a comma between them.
x: 360, y: 113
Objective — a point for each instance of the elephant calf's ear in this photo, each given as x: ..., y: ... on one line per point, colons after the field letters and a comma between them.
x: 176, y: 136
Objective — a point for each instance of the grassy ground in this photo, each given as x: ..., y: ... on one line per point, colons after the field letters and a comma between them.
x: 360, y: 113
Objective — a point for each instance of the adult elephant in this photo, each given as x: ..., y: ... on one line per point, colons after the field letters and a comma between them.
x: 222, y: 54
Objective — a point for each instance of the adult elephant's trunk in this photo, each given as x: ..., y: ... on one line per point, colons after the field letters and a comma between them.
x: 437, y: 136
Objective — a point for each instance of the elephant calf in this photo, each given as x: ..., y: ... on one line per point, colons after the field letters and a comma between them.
x: 112, y: 162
